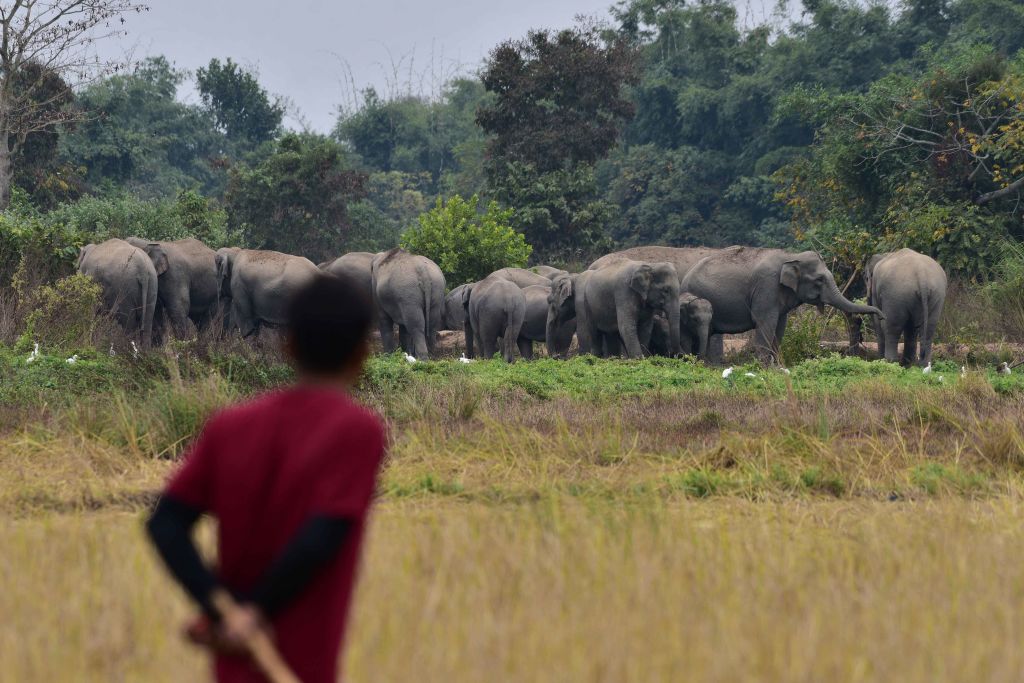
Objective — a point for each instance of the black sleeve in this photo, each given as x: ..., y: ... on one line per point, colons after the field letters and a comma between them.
x: 315, y: 544
x: 170, y: 529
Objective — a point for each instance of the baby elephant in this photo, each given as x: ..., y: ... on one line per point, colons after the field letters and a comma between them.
x: 695, y: 316
x: 910, y: 290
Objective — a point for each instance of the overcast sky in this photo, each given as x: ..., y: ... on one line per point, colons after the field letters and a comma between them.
x: 311, y: 51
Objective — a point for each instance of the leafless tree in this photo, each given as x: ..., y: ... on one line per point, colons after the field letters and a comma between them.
x: 42, y: 39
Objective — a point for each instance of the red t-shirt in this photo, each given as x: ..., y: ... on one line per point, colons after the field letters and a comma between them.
x: 263, y: 469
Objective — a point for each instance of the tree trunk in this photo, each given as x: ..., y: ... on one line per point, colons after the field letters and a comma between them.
x: 6, y: 175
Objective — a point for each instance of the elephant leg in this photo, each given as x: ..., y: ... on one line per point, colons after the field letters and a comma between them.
x: 403, y: 339
x: 414, y: 321
x: 716, y: 349
x: 893, y: 331
x: 241, y: 315
x: 612, y: 345
x: 765, y: 343
x: 927, y: 335
x: 629, y: 332
x: 386, y: 325
x: 909, y: 356
x: 525, y: 348
x: 644, y: 335
x: 879, y: 330
x: 780, y: 332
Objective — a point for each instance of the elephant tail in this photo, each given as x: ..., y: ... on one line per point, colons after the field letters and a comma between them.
x: 515, y: 316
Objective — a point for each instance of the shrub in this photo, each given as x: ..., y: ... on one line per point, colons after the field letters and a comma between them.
x: 64, y: 314
x: 803, y: 337
x: 466, y: 244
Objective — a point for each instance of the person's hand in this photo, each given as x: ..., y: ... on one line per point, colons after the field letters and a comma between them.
x: 240, y: 625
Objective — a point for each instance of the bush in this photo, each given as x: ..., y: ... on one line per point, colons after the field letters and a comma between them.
x: 802, y: 340
x: 63, y: 314
x: 466, y: 244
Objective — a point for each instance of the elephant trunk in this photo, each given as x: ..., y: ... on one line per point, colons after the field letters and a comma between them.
x: 702, y: 341
x: 833, y: 297
x: 672, y: 313
x: 555, y: 337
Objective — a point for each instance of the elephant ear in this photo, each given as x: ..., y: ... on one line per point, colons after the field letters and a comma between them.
x: 562, y: 290
x: 790, y: 275
x: 82, y: 253
x: 159, y: 258
x: 640, y: 281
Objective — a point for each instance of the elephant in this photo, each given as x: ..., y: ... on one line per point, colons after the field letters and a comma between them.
x: 454, y: 312
x: 408, y: 290
x: 682, y: 259
x: 128, y: 277
x: 548, y: 271
x: 752, y: 288
x: 260, y: 284
x: 910, y: 290
x: 495, y: 309
x: 535, y: 325
x: 695, y: 315
x: 188, y: 289
x: 521, y: 277
x: 356, y: 265
x: 560, y: 323
x: 620, y: 301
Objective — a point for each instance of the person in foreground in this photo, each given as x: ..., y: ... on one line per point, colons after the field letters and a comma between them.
x: 289, y: 477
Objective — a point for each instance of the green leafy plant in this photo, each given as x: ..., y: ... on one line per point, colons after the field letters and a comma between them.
x: 466, y: 244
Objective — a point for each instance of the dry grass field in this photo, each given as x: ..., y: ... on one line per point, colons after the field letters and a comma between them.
x: 847, y: 522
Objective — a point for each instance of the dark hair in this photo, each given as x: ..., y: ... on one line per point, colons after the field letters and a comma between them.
x: 327, y: 321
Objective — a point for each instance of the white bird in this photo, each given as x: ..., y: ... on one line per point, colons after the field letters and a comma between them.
x: 463, y: 359
x: 963, y: 370
x: 785, y: 370
x: 411, y: 359
x: 941, y: 378
x: 35, y: 353
x: 749, y: 374
x: 72, y: 360
x: 111, y: 352
x: 1004, y: 368
x: 726, y: 373
x: 135, y: 350
x: 927, y: 368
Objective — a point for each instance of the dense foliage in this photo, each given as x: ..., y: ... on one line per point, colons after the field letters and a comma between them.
x: 849, y: 127
x: 466, y: 244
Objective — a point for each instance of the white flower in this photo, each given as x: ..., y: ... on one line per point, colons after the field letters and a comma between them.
x: 941, y: 378
x: 35, y: 353
x: 411, y: 359
x: 726, y: 373
x: 72, y: 360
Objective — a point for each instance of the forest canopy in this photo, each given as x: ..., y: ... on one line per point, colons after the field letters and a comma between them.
x: 848, y: 128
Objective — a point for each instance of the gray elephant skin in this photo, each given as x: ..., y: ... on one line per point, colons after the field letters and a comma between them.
x: 128, y: 277
x: 188, y: 289
x: 695, y: 315
x: 620, y: 301
x: 408, y: 291
x: 259, y: 284
x: 454, y: 311
x: 357, y: 265
x: 910, y: 290
x: 557, y: 338
x: 755, y: 289
x: 522, y: 277
x: 495, y: 310
x: 549, y: 272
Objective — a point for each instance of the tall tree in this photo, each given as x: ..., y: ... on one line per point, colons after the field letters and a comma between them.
x: 54, y: 37
x: 558, y: 107
x: 239, y: 104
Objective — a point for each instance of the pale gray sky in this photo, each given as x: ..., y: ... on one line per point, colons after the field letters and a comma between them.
x: 311, y: 51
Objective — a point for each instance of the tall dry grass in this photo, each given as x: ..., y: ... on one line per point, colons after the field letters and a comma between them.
x: 560, y: 590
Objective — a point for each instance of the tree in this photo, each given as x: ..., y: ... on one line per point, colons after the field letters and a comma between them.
x: 51, y: 38
x: 140, y: 137
x: 467, y: 245
x: 558, y: 105
x: 297, y: 200
x: 240, y: 106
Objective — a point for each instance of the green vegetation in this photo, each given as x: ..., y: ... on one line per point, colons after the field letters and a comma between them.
x: 467, y: 245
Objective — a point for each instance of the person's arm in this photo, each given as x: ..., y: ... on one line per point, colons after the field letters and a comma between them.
x: 311, y: 549
x: 170, y: 528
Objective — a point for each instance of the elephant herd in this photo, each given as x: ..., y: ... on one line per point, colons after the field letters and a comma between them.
x: 636, y: 302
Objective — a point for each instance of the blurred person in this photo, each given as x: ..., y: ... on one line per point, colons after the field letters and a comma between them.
x: 289, y: 477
